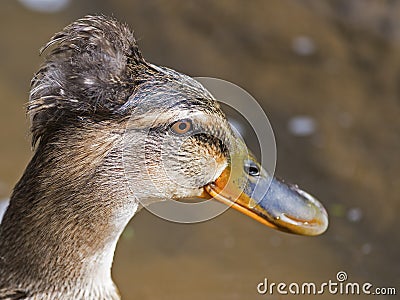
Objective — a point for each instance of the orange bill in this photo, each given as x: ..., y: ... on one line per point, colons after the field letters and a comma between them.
x: 249, y: 189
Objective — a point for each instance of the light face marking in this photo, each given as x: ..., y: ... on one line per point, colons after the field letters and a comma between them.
x: 88, y: 81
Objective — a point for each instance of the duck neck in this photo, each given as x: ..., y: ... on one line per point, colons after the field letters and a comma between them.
x: 66, y: 215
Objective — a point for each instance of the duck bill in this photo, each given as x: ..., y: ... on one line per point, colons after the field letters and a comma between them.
x: 268, y: 200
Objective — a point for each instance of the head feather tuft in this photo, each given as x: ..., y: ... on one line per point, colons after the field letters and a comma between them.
x: 91, y: 70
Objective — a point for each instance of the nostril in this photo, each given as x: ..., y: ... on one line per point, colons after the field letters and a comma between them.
x: 252, y: 169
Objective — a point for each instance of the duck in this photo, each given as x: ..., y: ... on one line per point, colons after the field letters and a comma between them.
x: 113, y: 133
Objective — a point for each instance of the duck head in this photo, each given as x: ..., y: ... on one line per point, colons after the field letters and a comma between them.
x: 176, y: 140
x: 180, y: 142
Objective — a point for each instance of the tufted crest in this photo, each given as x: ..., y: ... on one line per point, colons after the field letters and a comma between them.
x: 90, y: 71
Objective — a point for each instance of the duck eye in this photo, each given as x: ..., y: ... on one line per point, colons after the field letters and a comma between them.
x: 182, y: 126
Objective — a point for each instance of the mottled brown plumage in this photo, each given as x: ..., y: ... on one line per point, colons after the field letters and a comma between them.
x: 104, y: 126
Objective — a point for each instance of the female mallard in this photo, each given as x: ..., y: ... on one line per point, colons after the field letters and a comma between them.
x: 95, y: 92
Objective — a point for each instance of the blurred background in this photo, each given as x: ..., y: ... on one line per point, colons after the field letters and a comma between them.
x: 327, y: 73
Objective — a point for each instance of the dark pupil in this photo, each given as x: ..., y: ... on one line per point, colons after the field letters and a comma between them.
x: 252, y: 170
x: 182, y: 126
